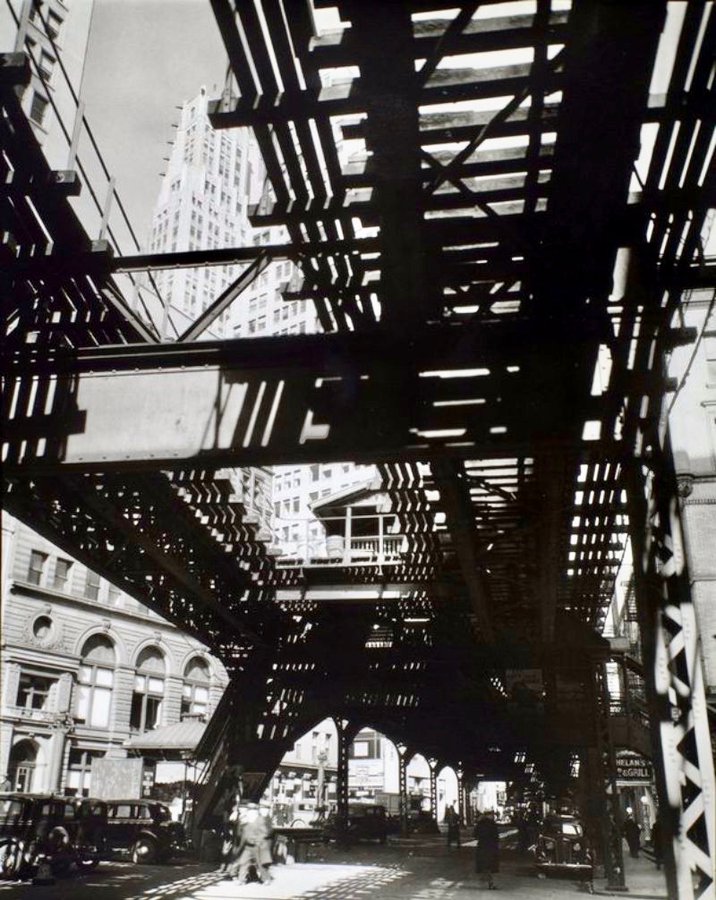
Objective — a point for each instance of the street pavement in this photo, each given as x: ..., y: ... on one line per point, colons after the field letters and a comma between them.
x: 415, y: 868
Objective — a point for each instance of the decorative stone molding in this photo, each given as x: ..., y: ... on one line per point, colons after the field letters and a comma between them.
x: 64, y: 722
x: 53, y: 640
x: 684, y: 485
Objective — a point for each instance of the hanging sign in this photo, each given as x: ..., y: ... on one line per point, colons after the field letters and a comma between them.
x: 632, y: 767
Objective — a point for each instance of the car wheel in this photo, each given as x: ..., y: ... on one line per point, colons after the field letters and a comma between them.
x: 9, y: 859
x: 144, y: 851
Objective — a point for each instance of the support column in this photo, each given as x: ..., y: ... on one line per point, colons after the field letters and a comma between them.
x: 347, y: 537
x: 346, y: 733
x: 56, y: 754
x: 683, y: 763
x: 469, y: 787
x: 460, y: 793
x: 606, y: 785
x: 403, y: 787
x: 433, y: 766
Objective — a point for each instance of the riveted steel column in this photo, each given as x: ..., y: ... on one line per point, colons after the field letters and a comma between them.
x: 403, y: 788
x: 683, y: 762
x: 433, y: 765
x: 460, y: 794
x: 606, y: 784
x: 346, y: 733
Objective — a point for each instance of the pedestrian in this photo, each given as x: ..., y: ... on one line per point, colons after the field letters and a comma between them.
x: 657, y: 841
x: 453, y: 826
x: 266, y: 846
x: 248, y: 857
x: 487, y: 861
x: 522, y: 833
x: 229, y: 830
x: 631, y: 833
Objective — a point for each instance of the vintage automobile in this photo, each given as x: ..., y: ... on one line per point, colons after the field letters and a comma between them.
x: 143, y: 829
x: 66, y: 833
x: 561, y: 848
x: 365, y: 822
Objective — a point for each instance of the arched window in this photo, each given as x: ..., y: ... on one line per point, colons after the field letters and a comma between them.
x: 96, y: 679
x: 148, y: 693
x: 195, y: 692
x: 21, y: 766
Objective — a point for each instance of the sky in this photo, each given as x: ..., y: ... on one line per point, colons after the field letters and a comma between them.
x: 146, y: 57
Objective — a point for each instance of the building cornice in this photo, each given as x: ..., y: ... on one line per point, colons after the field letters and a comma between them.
x: 39, y: 592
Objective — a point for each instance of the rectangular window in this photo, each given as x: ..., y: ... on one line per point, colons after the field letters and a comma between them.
x: 54, y: 23
x: 92, y: 585
x: 79, y: 771
x: 94, y: 696
x: 195, y: 700
x: 47, y: 64
x: 37, y: 565
x: 38, y: 108
x: 114, y: 595
x: 34, y: 691
x: 146, y: 709
x: 62, y: 573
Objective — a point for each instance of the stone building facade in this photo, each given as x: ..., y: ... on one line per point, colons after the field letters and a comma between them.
x: 84, y: 668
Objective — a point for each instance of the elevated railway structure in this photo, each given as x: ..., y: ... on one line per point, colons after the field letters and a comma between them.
x: 497, y: 220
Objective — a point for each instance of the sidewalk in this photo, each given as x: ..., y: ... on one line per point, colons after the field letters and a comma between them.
x: 642, y: 878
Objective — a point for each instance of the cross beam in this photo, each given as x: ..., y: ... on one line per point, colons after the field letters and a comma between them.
x: 303, y: 398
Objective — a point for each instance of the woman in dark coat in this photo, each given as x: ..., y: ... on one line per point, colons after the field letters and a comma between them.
x: 657, y: 841
x: 487, y: 855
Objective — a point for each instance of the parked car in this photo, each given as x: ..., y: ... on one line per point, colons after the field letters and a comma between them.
x: 365, y: 822
x: 143, y: 829
x: 64, y: 831
x: 562, y: 849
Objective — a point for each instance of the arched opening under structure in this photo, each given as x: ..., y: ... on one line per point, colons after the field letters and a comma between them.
x: 447, y: 791
x: 303, y: 786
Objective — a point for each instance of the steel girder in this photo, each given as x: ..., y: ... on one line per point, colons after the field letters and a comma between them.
x: 524, y: 234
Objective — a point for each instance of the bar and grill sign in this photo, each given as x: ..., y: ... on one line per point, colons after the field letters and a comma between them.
x: 632, y: 767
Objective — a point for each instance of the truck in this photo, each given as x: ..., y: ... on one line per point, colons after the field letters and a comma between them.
x: 391, y: 802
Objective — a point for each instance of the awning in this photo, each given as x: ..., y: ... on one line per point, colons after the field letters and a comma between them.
x: 169, y: 741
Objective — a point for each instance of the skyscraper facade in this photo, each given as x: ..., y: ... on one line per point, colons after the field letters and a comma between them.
x: 54, y: 35
x: 213, y: 181
x: 203, y: 203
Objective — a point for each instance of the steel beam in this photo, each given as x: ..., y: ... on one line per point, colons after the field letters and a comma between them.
x: 453, y: 485
x: 367, y: 395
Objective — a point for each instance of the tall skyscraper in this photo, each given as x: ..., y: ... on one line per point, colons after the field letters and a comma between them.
x: 203, y: 204
x: 213, y: 179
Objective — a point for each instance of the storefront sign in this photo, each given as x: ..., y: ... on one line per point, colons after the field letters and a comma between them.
x: 632, y: 767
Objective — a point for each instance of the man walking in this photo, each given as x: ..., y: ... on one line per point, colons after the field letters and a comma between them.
x: 487, y: 859
x: 253, y: 834
x: 453, y: 826
x: 631, y: 833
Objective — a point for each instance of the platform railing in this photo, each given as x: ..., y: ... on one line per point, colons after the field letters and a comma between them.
x: 377, y: 548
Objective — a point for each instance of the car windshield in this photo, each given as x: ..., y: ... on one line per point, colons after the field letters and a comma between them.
x: 9, y: 807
